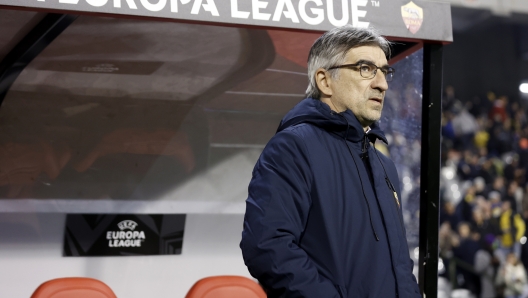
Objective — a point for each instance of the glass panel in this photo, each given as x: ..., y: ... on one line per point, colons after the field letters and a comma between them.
x: 135, y: 116
x: 117, y: 58
x: 14, y: 25
x: 139, y: 116
x: 402, y: 122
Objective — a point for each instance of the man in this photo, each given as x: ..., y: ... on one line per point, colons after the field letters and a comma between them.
x: 466, y: 251
x: 513, y: 228
x: 323, y: 215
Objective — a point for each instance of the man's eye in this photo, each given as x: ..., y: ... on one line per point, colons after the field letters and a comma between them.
x: 366, y: 68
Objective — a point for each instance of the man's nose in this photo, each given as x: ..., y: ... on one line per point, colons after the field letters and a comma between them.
x: 379, y: 81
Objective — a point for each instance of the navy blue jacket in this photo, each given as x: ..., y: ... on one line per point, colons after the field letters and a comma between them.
x: 316, y: 224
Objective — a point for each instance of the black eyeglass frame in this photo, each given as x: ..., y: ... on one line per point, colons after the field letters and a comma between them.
x: 384, y: 69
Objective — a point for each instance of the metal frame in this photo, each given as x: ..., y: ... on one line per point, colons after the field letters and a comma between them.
x: 430, y: 169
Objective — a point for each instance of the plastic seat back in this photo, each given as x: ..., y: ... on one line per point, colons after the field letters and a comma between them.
x: 73, y: 287
x: 226, y: 286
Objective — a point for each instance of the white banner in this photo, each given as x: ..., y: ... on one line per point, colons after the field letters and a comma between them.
x: 397, y: 18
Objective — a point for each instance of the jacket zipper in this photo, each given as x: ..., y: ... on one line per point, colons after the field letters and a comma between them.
x: 360, y: 180
x: 364, y: 148
x: 389, y: 184
x: 394, y: 194
x: 396, y: 200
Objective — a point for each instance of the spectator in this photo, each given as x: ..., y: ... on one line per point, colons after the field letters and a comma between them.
x: 448, y: 132
x: 487, y: 171
x: 512, y: 276
x: 498, y: 113
x: 480, y: 186
x: 514, y: 196
x: 464, y: 209
x: 449, y: 98
x: 476, y: 107
x: 512, y: 164
x: 497, y: 186
x: 494, y: 166
x: 468, y: 167
x: 482, y: 226
x: 524, y: 248
x: 447, y: 214
x: 447, y: 239
x: 481, y: 138
x: 523, y: 154
x: 501, y: 138
x: 465, y: 126
x: 513, y: 228
x: 484, y: 267
x: 465, y: 253
x: 525, y: 202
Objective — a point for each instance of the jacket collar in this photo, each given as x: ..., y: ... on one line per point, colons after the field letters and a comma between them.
x: 344, y: 124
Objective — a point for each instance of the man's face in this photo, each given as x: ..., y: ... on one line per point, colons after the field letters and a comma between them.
x: 364, y: 97
x: 464, y: 231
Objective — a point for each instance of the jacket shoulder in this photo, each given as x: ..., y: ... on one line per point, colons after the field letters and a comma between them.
x: 286, y: 146
x: 305, y: 131
x: 298, y: 128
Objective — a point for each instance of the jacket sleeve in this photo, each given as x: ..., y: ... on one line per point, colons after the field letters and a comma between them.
x: 277, y: 209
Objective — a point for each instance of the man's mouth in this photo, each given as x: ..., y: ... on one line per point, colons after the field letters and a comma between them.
x: 379, y: 100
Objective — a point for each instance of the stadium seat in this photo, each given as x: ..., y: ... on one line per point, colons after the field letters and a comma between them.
x: 73, y: 287
x: 225, y: 286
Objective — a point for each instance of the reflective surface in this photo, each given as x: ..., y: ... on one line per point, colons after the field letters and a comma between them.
x: 134, y: 116
x: 14, y: 25
x: 401, y: 121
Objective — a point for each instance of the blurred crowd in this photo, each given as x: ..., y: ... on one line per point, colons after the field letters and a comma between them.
x: 484, y: 195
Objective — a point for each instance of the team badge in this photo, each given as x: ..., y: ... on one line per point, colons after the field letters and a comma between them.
x: 412, y: 15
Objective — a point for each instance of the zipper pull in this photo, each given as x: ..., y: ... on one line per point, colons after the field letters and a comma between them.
x: 365, y: 143
x: 396, y: 198
x: 364, y: 148
x: 391, y: 187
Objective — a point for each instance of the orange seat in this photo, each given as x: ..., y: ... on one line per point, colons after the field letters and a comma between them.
x: 73, y: 287
x: 225, y: 286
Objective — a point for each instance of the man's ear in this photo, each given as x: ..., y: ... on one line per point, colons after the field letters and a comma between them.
x: 324, y: 81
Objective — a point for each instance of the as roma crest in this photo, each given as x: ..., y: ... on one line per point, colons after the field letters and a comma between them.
x: 412, y: 15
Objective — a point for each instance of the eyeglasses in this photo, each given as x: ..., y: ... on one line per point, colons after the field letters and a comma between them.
x: 368, y: 70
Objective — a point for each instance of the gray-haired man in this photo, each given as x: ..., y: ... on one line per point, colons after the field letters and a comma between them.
x: 323, y: 216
